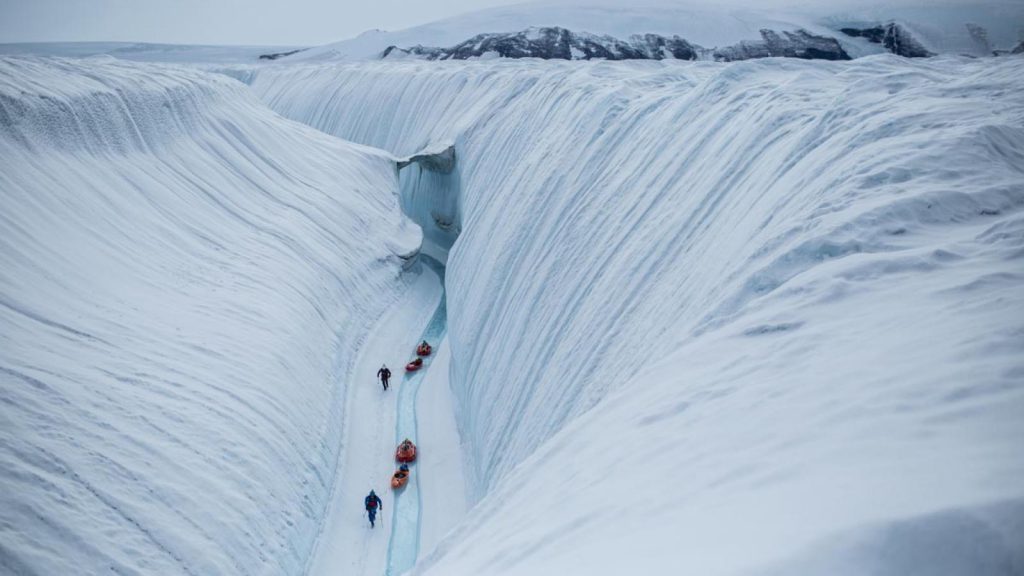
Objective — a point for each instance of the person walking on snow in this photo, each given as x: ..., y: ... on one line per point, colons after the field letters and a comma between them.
x: 384, y: 374
x: 373, y: 503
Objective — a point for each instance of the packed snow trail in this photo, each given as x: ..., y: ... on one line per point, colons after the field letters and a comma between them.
x: 405, y: 532
x: 347, y: 544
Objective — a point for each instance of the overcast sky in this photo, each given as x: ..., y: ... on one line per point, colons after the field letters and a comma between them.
x: 267, y: 22
x: 304, y: 22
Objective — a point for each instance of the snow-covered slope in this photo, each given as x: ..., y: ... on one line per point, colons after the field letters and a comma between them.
x: 147, y: 52
x: 943, y: 26
x: 717, y: 318
x: 183, y: 278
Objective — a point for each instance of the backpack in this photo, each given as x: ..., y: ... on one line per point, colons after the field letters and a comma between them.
x: 371, y: 502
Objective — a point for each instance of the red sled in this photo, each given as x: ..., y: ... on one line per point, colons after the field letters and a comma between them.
x: 424, y: 349
x: 399, y: 479
x: 406, y: 451
x: 414, y: 365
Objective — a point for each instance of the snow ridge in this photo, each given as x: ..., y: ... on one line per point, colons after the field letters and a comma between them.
x: 151, y: 216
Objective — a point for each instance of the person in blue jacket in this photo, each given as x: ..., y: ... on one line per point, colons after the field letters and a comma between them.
x: 373, y: 503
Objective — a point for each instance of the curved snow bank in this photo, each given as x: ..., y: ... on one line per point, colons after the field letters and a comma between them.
x: 696, y: 309
x: 183, y: 277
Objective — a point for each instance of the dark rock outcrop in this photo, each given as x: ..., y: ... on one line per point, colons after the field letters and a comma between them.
x: 277, y: 55
x: 557, y: 43
x: 893, y: 37
x: 1018, y: 49
x: 875, y: 34
x: 798, y: 44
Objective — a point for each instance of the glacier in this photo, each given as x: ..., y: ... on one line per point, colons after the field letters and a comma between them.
x: 772, y: 305
x: 744, y: 318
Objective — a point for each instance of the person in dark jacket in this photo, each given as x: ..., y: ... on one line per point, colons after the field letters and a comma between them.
x: 385, y: 375
x: 373, y: 503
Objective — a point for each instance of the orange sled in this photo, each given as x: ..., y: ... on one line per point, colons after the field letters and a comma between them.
x: 424, y: 349
x: 406, y: 451
x: 399, y: 479
x: 414, y: 365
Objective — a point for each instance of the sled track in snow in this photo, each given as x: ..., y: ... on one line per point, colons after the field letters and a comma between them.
x: 404, y: 546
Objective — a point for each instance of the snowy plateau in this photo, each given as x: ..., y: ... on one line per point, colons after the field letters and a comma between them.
x: 689, y: 316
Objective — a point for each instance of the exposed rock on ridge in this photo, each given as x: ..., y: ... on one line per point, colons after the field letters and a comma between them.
x: 556, y: 43
x: 893, y: 37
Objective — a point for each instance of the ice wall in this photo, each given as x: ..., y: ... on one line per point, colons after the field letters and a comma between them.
x: 693, y: 303
x: 184, y: 277
x: 430, y: 192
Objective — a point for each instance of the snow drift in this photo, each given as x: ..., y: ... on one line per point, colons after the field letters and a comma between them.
x: 721, y: 317
x: 183, y: 277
